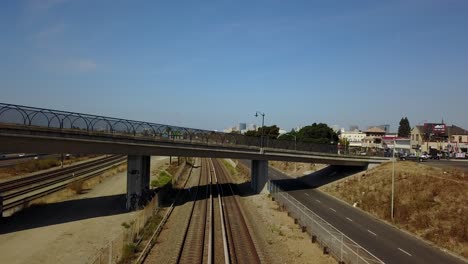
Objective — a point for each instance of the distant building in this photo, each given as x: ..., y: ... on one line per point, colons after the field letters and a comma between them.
x: 373, y: 137
x: 353, y: 127
x: 439, y: 136
x: 242, y: 126
x: 336, y: 128
x: 354, y: 137
x: 252, y: 127
x: 385, y: 128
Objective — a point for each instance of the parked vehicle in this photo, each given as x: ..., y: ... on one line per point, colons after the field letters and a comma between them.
x: 413, y: 157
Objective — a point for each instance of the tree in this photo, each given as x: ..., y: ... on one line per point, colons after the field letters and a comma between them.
x: 268, y: 131
x: 317, y: 133
x: 404, y: 130
x: 290, y: 136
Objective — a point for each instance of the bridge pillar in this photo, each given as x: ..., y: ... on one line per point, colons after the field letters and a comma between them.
x: 138, y: 177
x: 259, y: 173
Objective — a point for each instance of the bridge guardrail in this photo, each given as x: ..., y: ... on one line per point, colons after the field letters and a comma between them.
x: 49, y: 118
x: 341, y: 247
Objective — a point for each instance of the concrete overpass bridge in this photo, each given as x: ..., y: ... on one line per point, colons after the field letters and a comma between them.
x: 36, y: 130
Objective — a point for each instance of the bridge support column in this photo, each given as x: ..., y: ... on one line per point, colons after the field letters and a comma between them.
x: 138, y: 176
x: 259, y: 173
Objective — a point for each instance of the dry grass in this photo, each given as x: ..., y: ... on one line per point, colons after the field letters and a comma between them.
x: 296, y: 169
x: 76, y: 186
x: 429, y: 202
x: 31, y: 166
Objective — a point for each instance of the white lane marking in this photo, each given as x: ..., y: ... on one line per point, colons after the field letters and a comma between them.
x: 404, y: 252
x: 333, y: 209
x: 306, y: 194
x: 371, y: 232
x: 318, y: 201
x: 349, y: 219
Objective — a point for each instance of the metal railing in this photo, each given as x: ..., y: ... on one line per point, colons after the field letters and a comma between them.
x: 337, y: 244
x: 41, y: 117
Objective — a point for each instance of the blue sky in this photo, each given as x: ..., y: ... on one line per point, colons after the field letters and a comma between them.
x: 212, y: 64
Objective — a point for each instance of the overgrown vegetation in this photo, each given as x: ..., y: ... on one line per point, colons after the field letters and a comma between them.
x: 163, y: 179
x: 36, y: 165
x: 429, y: 202
x: 128, y: 251
x: 77, y: 186
x: 229, y: 167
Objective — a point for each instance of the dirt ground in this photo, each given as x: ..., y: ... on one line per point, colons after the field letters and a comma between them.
x: 71, y: 230
x: 430, y: 202
x: 279, y: 239
x: 296, y: 169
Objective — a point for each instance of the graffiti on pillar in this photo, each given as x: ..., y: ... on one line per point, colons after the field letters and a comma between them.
x: 133, y: 201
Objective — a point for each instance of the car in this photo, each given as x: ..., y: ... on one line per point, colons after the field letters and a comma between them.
x: 424, y: 156
x: 413, y: 157
x: 21, y: 155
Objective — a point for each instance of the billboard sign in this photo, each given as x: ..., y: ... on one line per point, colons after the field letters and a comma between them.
x: 435, y: 129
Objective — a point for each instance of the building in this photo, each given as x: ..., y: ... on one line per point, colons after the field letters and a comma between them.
x: 401, y: 145
x: 242, y: 126
x: 385, y: 128
x: 252, y: 127
x: 439, y: 136
x: 373, y: 138
x: 353, y: 137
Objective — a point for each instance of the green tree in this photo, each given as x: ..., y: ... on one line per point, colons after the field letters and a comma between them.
x: 289, y: 136
x: 404, y: 130
x: 317, y: 133
x: 268, y: 131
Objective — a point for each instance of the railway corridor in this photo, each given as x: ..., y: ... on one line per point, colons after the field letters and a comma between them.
x: 70, y: 231
x: 210, y: 226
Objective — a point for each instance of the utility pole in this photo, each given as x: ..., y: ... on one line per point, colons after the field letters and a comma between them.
x: 393, y: 179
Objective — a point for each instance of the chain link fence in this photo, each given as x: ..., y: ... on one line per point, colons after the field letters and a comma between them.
x: 335, y: 243
x: 125, y: 241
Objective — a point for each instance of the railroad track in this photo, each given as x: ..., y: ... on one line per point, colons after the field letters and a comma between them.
x: 15, y: 193
x: 239, y: 241
x: 216, y: 236
x: 192, y: 249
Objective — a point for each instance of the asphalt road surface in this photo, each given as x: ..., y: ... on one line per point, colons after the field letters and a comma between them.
x: 383, y: 240
x: 460, y: 164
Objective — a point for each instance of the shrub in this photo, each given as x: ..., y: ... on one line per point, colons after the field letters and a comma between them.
x: 76, y: 186
x: 163, y: 179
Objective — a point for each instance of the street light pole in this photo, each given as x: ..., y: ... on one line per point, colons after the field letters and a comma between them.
x: 263, y: 124
x: 393, y: 178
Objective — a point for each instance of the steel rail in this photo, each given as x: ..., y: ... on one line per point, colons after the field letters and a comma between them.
x: 221, y: 213
x: 11, y: 205
x: 188, y: 251
x: 64, y: 177
x: 141, y: 258
x: 211, y: 217
x: 241, y: 245
x: 17, y: 183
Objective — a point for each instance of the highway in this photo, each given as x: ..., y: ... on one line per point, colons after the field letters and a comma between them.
x: 381, y: 239
x: 453, y: 163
